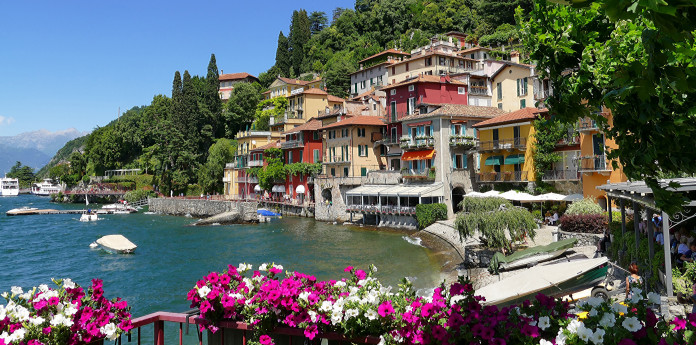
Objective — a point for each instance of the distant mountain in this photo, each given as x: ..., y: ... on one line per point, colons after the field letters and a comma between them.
x: 34, y: 149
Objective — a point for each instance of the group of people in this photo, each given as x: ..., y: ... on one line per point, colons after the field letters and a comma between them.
x: 551, y: 219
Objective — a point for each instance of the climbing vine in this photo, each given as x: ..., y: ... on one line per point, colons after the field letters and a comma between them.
x: 307, y: 169
x: 546, y: 135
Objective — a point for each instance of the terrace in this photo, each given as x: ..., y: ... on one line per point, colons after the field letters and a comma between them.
x: 594, y: 164
x: 505, y: 176
x: 502, y: 144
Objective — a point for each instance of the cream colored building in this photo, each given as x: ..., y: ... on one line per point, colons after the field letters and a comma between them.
x: 349, y: 146
x: 234, y: 174
x: 303, y: 105
x: 286, y: 86
x: 512, y: 87
x: 437, y: 58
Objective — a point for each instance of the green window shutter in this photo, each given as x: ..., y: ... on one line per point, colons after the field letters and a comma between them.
x: 464, y: 162
x: 523, y: 103
x: 518, y: 87
x: 363, y: 171
x: 453, y: 130
x: 301, y: 156
x: 316, y: 156
x: 525, y: 82
x: 454, y: 161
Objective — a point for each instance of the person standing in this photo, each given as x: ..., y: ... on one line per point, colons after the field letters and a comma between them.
x: 633, y: 280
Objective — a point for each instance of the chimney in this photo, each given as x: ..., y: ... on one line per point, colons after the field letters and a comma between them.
x: 515, y: 56
x: 221, y: 71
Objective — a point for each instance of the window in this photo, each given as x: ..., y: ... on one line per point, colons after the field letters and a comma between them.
x: 393, y: 134
x: 473, y: 56
x: 301, y: 159
x: 362, y: 150
x: 461, y: 90
x: 500, y: 106
x: 523, y: 103
x: 345, y: 171
x: 427, y: 130
x: 315, y: 135
x: 393, y: 110
x: 379, y: 80
x: 407, y: 67
x: 411, y: 105
x: 362, y: 84
x: 317, y: 159
x: 522, y: 86
x: 363, y: 171
x: 429, y: 61
x: 411, y: 87
x: 374, y: 106
x: 393, y: 70
x: 442, y: 61
x: 290, y: 157
x: 333, y: 171
x: 372, y: 81
x: 499, y: 86
x: 355, y: 89
x: 392, y: 92
x: 459, y: 162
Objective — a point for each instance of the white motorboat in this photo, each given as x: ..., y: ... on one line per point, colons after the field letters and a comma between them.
x: 88, y: 217
x: 22, y: 209
x: 9, y: 186
x: 116, y: 244
x: 118, y: 208
x: 45, y: 188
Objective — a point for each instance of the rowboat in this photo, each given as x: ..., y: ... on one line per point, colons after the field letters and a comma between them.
x: 530, y: 256
x: 554, y: 280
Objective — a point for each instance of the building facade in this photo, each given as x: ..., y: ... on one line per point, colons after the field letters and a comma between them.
x: 227, y: 82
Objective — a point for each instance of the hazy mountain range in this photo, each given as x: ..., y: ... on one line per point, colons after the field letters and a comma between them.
x: 34, y: 149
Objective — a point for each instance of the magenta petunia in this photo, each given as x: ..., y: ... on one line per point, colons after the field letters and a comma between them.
x: 265, y: 340
x: 385, y: 309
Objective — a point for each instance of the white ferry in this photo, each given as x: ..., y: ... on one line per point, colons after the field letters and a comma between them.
x: 9, y: 186
x: 47, y: 187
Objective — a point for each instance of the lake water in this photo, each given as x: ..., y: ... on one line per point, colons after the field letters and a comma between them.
x: 172, y: 255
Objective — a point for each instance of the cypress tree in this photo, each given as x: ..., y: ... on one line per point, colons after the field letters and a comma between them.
x: 283, y: 55
x: 177, y: 113
x: 211, y: 98
x: 190, y: 122
x: 299, y: 35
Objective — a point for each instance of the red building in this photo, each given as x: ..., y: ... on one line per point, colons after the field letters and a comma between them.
x: 303, y: 144
x: 249, y: 185
x: 407, y: 97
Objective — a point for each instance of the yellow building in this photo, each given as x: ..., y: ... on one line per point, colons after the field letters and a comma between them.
x: 349, y: 146
x: 596, y: 169
x: 286, y: 86
x: 505, y: 147
x: 512, y: 87
x: 437, y: 58
x: 234, y: 175
x: 304, y: 104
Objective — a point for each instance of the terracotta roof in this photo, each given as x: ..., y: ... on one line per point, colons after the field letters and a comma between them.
x: 507, y: 64
x: 522, y: 115
x: 423, y: 79
x: 473, y: 49
x: 459, y: 110
x: 358, y: 121
x: 312, y: 125
x: 388, y: 51
x: 314, y: 91
x: 333, y: 98
x: 297, y: 81
x: 236, y: 76
x: 263, y: 93
x: 273, y: 144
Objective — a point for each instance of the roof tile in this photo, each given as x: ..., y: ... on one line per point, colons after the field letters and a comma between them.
x: 522, y: 115
x: 235, y: 76
x: 460, y: 110
x: 358, y: 121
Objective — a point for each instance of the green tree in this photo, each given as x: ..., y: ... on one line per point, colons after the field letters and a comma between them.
x: 637, y: 59
x: 275, y: 169
x: 23, y: 173
x: 317, y: 21
x: 337, y: 75
x: 546, y: 135
x: 299, y: 35
x: 211, y: 97
x: 268, y: 77
x: 210, y: 174
x: 241, y: 108
x: 494, y: 13
x: 282, y: 61
x: 268, y: 108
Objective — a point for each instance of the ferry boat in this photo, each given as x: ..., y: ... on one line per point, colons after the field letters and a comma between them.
x: 45, y: 188
x: 9, y: 186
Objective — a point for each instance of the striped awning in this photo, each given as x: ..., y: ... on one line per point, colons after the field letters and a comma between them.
x: 418, y: 155
x: 494, y: 160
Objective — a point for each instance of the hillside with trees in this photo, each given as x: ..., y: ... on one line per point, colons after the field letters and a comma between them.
x: 184, y: 139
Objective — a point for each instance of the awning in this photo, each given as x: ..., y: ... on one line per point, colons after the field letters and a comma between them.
x: 494, y: 160
x: 458, y: 121
x: 422, y: 123
x: 514, y: 159
x: 279, y: 188
x: 418, y: 155
x: 300, y: 189
x: 257, y: 188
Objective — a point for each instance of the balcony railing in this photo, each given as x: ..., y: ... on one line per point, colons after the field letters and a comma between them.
x: 463, y: 141
x: 503, y: 144
x: 594, y: 164
x: 587, y: 124
x: 479, y: 90
x: 561, y: 175
x: 426, y: 175
x: 256, y: 163
x: 569, y: 141
x: 506, y: 176
x: 292, y: 144
x: 389, y: 140
x: 249, y: 179
x: 417, y: 142
x: 336, y: 160
x: 230, y: 166
x: 542, y: 94
x: 376, y: 209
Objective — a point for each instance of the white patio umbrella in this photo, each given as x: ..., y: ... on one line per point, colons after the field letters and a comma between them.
x: 573, y: 197
x: 551, y: 197
x: 492, y: 193
x: 514, y: 195
x: 476, y: 195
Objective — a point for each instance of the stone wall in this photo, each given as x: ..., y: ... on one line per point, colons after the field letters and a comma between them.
x: 584, y: 240
x: 335, y: 210
x: 383, y: 177
x: 203, y: 208
x: 568, y: 187
x: 445, y: 230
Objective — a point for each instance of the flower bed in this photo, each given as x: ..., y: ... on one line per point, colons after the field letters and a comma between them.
x: 61, y: 315
x: 359, y: 305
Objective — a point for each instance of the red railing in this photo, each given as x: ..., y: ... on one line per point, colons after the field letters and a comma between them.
x: 159, y: 318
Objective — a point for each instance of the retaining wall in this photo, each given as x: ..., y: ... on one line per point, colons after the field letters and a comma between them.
x: 203, y: 208
x: 584, y: 240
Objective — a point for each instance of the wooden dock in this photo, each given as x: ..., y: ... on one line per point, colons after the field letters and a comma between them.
x: 22, y: 212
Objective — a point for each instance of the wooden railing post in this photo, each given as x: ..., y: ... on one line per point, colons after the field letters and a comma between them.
x: 159, y: 332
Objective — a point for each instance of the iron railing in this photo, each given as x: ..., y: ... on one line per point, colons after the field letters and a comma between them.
x: 502, y: 144
x: 561, y: 175
x: 506, y: 176
x: 427, y: 175
x: 417, y: 142
x: 467, y: 142
x: 594, y: 163
x: 587, y: 124
x: 390, y: 209
x: 292, y: 144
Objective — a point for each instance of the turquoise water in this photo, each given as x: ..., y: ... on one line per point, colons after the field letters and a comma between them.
x: 172, y: 255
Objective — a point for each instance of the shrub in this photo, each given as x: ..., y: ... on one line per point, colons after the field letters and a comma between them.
x: 537, y: 215
x: 473, y: 204
x: 584, y: 206
x: 496, y: 228
x: 193, y: 190
x: 584, y: 223
x: 136, y: 195
x: 427, y: 214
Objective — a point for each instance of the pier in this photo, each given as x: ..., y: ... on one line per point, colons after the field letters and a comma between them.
x: 31, y: 212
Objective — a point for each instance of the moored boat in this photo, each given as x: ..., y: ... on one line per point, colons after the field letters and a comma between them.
x: 555, y: 280
x: 88, y: 217
x: 45, y: 188
x: 9, y: 186
x: 116, y: 244
x: 118, y: 208
x: 531, y: 256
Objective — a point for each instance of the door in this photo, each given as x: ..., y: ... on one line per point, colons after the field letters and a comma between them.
x: 598, y: 147
x: 516, y: 135
x: 495, y: 138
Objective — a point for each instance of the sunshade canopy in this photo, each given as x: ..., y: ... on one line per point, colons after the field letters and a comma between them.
x: 257, y: 188
x: 514, y: 159
x: 494, y: 160
x: 418, y: 155
x: 279, y: 188
x: 551, y: 197
x: 300, y: 189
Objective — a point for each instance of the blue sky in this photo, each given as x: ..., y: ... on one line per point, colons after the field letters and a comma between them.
x: 70, y: 64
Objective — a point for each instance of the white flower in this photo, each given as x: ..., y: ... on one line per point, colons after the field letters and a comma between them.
x: 636, y: 291
x: 3, y: 312
x: 635, y: 298
x: 381, y: 341
x: 654, y: 298
x: 59, y: 319
x: 263, y: 267
x: 37, y: 320
x: 561, y: 338
x: 584, y: 333
x: 336, y: 317
x: 16, y: 290
x: 25, y: 296
x: 203, y: 291
x: 110, y: 331
x: 362, y: 282
x: 70, y: 310
x: 619, y: 308
x: 5, y: 295
x: 352, y: 313
x: 68, y: 283
x: 372, y: 297
x: 598, y: 337
x: 312, y: 315
x: 43, y: 287
x: 456, y: 299
x: 593, y: 301
x: 304, y: 295
x: 632, y: 324
x: 545, y: 342
x: 339, y: 304
x: 340, y: 283
x: 243, y: 267
x: 385, y: 290
x: 608, y: 320
x: 592, y: 312
x: 17, y: 335
x: 280, y: 267
x: 325, y: 306
x: 371, y: 314
x: 544, y: 322
x: 21, y: 313
x: 248, y: 283
x: 574, y: 325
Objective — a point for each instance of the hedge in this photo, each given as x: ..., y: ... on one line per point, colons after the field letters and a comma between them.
x: 584, y: 223
x: 427, y: 214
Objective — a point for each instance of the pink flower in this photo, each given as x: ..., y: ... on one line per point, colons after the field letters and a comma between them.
x: 274, y: 270
x: 348, y: 269
x: 678, y: 323
x: 311, y: 332
x: 385, y: 309
x: 265, y: 340
x: 46, y: 330
x: 360, y: 274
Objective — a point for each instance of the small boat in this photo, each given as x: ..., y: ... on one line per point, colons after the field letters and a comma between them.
x: 116, y: 244
x: 118, y: 208
x: 21, y: 210
x: 552, y: 280
x: 530, y: 256
x: 88, y: 217
x: 9, y: 186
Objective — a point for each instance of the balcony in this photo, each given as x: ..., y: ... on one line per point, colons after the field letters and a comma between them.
x: 292, y: 144
x: 503, y: 144
x: 569, y: 140
x: 376, y: 209
x: 247, y: 179
x: 410, y: 143
x: 479, y: 91
x: 423, y: 175
x: 389, y: 140
x: 256, y: 163
x: 594, y: 164
x: 542, y: 94
x: 229, y: 166
x: 506, y: 176
x: 464, y: 142
x: 335, y: 160
x: 561, y: 175
x: 587, y: 125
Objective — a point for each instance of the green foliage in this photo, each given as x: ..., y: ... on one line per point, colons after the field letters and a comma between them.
x: 62, y: 155
x: 497, y: 228
x: 300, y: 33
x: 241, y: 108
x: 282, y: 61
x: 274, y: 171
x: 537, y: 215
x: 317, y: 21
x: 301, y: 168
x: 139, y: 194
x: 210, y: 174
x: 584, y: 206
x: 143, y: 181
x: 193, y: 190
x: 337, y: 75
x: 23, y: 173
x: 473, y: 204
x: 427, y: 214
x: 505, y: 34
x: 635, y: 58
x: 267, y: 109
x: 546, y: 134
